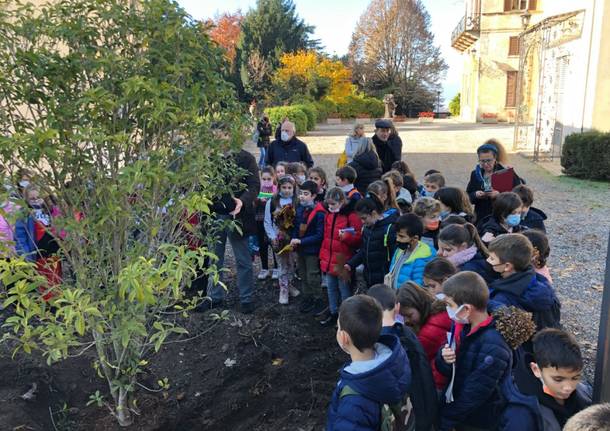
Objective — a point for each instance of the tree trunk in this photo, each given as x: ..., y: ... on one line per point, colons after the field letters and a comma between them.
x: 122, y: 413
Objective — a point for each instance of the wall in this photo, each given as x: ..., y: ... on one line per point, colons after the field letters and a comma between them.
x: 601, y: 110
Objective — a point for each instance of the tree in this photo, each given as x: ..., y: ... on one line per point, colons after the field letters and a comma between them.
x: 270, y: 29
x: 392, y: 50
x: 454, y: 105
x: 123, y: 116
x: 310, y: 76
x: 225, y: 31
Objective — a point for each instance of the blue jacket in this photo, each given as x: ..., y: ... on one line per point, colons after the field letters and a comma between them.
x: 479, y: 265
x: 534, y: 219
x: 386, y: 383
x: 483, y: 361
x: 413, y: 267
x: 311, y: 239
x: 529, y: 291
x: 25, y: 244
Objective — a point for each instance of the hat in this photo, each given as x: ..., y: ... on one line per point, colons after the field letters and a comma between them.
x: 383, y: 124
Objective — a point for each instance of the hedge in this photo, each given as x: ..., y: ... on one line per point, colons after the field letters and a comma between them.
x: 311, y: 112
x: 354, y: 106
x: 296, y: 115
x: 587, y: 155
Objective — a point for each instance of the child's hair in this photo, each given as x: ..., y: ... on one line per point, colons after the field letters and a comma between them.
x: 275, y: 201
x: 405, y: 207
x: 386, y: 187
x: 430, y: 172
x: 410, y: 223
x: 426, y: 207
x: 505, y: 204
x: 436, y: 178
x: 385, y: 295
x: 456, y: 235
x: 439, y: 269
x: 467, y: 287
x: 335, y: 194
x: 402, y: 167
x: 395, y: 177
x: 368, y: 205
x: 412, y: 295
x: 295, y: 167
x: 540, y: 242
x: 269, y: 170
x: 284, y: 164
x: 310, y: 186
x: 494, y: 146
x: 593, y: 418
x: 456, y: 199
x: 525, y: 193
x: 361, y: 316
x: 557, y: 349
x: 513, y: 248
x: 454, y: 219
x: 347, y: 173
x: 318, y: 170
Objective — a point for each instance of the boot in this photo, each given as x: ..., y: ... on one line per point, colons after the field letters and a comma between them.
x: 322, y: 315
x: 331, y: 321
x: 284, y: 295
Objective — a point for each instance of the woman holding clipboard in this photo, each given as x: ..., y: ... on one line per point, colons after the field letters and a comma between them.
x: 490, y: 178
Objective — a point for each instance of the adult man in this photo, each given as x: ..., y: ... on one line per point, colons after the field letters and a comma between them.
x: 240, y: 208
x: 288, y: 148
x: 387, y: 143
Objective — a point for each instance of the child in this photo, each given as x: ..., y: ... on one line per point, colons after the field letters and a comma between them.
x: 344, y: 179
x: 279, y: 224
x: 433, y: 183
x: 593, y: 418
x: 307, y: 239
x: 298, y: 172
x: 411, y: 254
x: 342, y: 237
x: 384, y: 190
x: 553, y: 383
x: 403, y: 197
x: 421, y: 189
x: 429, y: 210
x: 268, y: 189
x: 479, y: 364
x: 531, y: 217
x: 511, y: 256
x: 377, y: 374
x: 462, y: 245
x: 541, y: 253
x: 408, y: 177
x: 428, y: 317
x: 454, y: 201
x: 505, y: 217
x: 436, y: 272
x: 318, y: 176
x: 281, y: 169
x: 378, y: 241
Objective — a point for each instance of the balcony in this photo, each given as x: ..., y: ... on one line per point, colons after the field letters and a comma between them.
x: 466, y: 32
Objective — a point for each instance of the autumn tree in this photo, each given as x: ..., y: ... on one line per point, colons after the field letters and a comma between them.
x: 225, y: 31
x: 393, y: 50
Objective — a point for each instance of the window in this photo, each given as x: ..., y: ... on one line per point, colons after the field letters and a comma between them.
x: 513, y: 45
x: 511, y: 89
x: 517, y: 5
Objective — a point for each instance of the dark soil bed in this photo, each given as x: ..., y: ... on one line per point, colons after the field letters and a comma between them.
x: 284, y: 370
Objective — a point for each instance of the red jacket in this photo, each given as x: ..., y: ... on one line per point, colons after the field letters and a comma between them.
x: 332, y: 246
x: 433, y: 336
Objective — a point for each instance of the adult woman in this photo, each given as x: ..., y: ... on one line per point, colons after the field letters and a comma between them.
x: 354, y: 141
x: 492, y: 158
x: 367, y: 165
x: 264, y: 132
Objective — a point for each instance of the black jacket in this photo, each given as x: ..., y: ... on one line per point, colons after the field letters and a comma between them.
x: 294, y: 150
x: 264, y: 132
x: 482, y: 207
x: 368, y: 169
x: 389, y: 152
x: 492, y: 225
x: 534, y: 219
x: 378, y: 246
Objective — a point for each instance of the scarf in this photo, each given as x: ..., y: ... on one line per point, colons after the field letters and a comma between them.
x: 461, y: 257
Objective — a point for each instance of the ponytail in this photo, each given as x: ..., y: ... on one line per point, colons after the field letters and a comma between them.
x: 474, y: 234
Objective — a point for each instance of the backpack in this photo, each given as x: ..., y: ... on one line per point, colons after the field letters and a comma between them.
x: 390, y: 415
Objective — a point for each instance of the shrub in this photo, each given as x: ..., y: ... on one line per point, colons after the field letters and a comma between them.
x: 355, y: 105
x: 325, y: 107
x: 296, y: 115
x: 587, y: 155
x: 454, y: 105
x: 311, y: 112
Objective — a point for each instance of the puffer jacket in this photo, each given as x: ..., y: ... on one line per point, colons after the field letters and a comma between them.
x: 491, y: 225
x: 368, y: 169
x: 413, y: 268
x: 309, y: 228
x: 479, y: 265
x: 433, y: 335
x: 335, y: 251
x: 534, y: 219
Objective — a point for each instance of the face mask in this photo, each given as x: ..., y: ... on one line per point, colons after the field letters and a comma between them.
x: 440, y: 296
x: 286, y: 195
x: 513, y: 220
x: 347, y: 188
x: 433, y: 225
x: 444, y: 214
x: 453, y: 315
x: 301, y: 178
x: 267, y: 183
x: 334, y: 210
x: 403, y: 245
x: 285, y: 137
x: 307, y: 203
x: 24, y: 183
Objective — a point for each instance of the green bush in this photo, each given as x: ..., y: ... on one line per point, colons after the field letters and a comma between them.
x: 325, y: 107
x: 354, y: 106
x: 454, y: 106
x: 296, y: 115
x: 311, y: 112
x: 587, y: 155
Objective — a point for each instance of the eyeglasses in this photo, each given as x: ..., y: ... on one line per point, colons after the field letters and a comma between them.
x: 486, y: 161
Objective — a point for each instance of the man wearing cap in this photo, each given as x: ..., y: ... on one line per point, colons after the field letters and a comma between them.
x: 387, y: 143
x: 288, y: 148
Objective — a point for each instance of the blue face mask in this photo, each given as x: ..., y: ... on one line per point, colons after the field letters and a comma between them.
x: 443, y: 215
x: 513, y: 220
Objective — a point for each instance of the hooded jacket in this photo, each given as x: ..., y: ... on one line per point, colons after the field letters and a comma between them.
x: 294, y: 150
x: 433, y: 335
x: 479, y: 265
x: 492, y: 225
x: 309, y: 228
x: 534, y: 219
x: 413, y: 267
x: 386, y: 382
x: 368, y: 169
x: 335, y: 250
x: 389, y: 151
x: 529, y: 291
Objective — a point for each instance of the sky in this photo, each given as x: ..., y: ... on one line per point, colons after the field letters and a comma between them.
x: 335, y: 20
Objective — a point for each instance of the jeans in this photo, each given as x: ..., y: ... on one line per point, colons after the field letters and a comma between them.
x: 335, y: 288
x: 263, y: 155
x: 243, y: 259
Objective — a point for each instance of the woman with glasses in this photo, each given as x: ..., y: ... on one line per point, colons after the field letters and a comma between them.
x: 492, y: 158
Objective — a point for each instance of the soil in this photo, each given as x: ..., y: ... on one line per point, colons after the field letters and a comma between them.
x: 284, y: 371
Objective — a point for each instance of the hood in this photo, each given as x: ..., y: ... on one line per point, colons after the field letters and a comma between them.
x: 532, y: 289
x: 387, y: 382
x: 368, y: 160
x: 535, y: 212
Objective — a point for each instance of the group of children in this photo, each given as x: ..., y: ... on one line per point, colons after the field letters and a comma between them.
x: 473, y: 297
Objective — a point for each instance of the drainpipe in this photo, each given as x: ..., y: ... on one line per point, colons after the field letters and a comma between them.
x: 584, y: 103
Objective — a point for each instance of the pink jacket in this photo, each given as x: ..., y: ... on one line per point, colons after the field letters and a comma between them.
x: 7, y: 234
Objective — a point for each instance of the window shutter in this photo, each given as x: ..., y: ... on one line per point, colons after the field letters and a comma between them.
x: 511, y: 89
x: 532, y: 5
x: 508, y: 5
x: 513, y: 45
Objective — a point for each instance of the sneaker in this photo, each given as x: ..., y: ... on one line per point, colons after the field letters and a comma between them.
x: 263, y: 274
x: 330, y: 321
x: 307, y: 305
x: 284, y: 295
x: 319, y: 305
x: 247, y: 307
x: 293, y: 291
x: 275, y: 274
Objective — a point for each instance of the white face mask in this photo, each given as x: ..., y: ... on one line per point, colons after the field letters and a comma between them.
x: 285, y: 136
x: 453, y: 315
x: 347, y: 188
x: 24, y: 183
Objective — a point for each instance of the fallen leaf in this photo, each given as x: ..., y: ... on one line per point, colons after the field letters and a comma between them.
x: 598, y: 287
x: 31, y: 393
x: 230, y: 362
x: 277, y: 362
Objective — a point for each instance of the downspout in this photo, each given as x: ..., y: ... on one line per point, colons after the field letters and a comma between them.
x: 584, y: 103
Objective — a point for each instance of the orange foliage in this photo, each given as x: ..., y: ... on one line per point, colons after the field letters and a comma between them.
x: 226, y: 32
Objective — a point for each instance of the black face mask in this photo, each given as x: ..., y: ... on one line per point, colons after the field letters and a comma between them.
x: 403, y: 245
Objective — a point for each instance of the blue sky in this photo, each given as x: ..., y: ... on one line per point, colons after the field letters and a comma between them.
x: 335, y: 20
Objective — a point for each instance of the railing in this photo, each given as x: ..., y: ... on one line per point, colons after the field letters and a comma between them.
x: 466, y: 32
